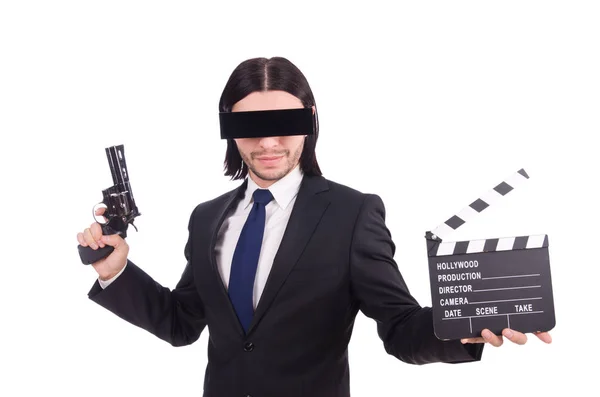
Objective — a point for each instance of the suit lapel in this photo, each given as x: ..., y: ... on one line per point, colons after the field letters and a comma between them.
x: 222, y: 210
x: 306, y: 214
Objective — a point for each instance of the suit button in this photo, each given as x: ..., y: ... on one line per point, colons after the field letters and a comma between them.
x: 248, y: 347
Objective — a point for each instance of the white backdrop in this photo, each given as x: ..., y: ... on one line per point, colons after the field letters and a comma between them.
x: 428, y: 104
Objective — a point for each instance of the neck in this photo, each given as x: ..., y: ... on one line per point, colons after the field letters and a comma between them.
x: 263, y: 183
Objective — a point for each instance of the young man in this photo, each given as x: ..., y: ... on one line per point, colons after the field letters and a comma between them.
x: 278, y: 267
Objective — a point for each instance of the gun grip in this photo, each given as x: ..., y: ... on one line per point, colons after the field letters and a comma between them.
x: 89, y: 255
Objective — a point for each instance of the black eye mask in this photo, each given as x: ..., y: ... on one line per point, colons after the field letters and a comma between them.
x: 263, y: 123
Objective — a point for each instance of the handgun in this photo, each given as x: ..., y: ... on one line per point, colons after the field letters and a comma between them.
x: 121, y: 209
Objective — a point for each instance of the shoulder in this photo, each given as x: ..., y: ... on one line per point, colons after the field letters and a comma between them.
x: 355, y: 201
x: 215, y: 205
x: 346, y: 192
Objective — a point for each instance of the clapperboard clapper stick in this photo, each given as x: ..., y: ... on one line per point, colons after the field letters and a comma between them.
x: 490, y: 283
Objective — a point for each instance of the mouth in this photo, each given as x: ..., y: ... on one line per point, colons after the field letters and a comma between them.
x: 269, y: 160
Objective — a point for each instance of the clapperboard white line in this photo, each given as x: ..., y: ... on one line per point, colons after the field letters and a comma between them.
x: 519, y: 275
x: 504, y: 300
x: 489, y: 315
x: 508, y: 319
x: 502, y: 289
x: 489, y: 245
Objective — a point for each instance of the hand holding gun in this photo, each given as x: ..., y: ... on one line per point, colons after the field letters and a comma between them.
x: 120, y: 211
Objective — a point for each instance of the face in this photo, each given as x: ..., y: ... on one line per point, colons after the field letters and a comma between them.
x: 270, y: 158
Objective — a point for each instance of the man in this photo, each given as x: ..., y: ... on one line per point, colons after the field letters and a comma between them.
x: 280, y: 315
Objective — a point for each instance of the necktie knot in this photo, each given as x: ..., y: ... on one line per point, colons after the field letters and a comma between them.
x: 262, y: 196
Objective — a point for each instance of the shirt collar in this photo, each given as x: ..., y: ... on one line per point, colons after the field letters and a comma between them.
x: 283, y: 191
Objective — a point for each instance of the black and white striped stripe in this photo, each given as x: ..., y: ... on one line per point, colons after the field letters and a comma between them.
x: 489, y: 245
x: 489, y: 198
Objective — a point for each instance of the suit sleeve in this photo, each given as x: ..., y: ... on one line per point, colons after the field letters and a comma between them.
x: 405, y: 327
x: 176, y: 316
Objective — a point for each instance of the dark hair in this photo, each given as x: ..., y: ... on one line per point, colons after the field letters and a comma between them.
x: 265, y: 74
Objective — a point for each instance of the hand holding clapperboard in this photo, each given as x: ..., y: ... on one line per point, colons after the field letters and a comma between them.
x: 495, y: 284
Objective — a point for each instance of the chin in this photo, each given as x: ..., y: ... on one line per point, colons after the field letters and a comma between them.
x: 270, y: 174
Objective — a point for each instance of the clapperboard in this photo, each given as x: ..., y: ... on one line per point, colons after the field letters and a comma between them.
x: 489, y: 283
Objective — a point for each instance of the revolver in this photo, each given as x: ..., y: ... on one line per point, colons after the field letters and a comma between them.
x: 121, y: 209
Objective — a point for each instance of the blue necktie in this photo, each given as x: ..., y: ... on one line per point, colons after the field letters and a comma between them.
x: 245, y: 258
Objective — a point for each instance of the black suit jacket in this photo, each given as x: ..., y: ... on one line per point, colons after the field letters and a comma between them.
x: 336, y: 258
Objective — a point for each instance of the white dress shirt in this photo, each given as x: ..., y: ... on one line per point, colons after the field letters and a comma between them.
x: 278, y: 212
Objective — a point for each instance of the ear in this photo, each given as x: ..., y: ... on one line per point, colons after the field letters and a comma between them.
x: 314, y: 109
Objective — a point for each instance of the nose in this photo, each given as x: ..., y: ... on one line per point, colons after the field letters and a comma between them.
x: 268, y: 142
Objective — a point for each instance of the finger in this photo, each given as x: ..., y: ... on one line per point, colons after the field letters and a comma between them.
x: 491, y: 338
x: 544, y: 336
x: 81, y: 239
x: 113, y: 240
x: 97, y: 233
x: 89, y: 239
x: 515, y: 336
x: 101, y: 211
x: 96, y: 230
x: 473, y: 340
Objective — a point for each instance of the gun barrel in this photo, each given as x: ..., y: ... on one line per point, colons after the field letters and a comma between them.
x: 119, y: 198
x: 118, y: 166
